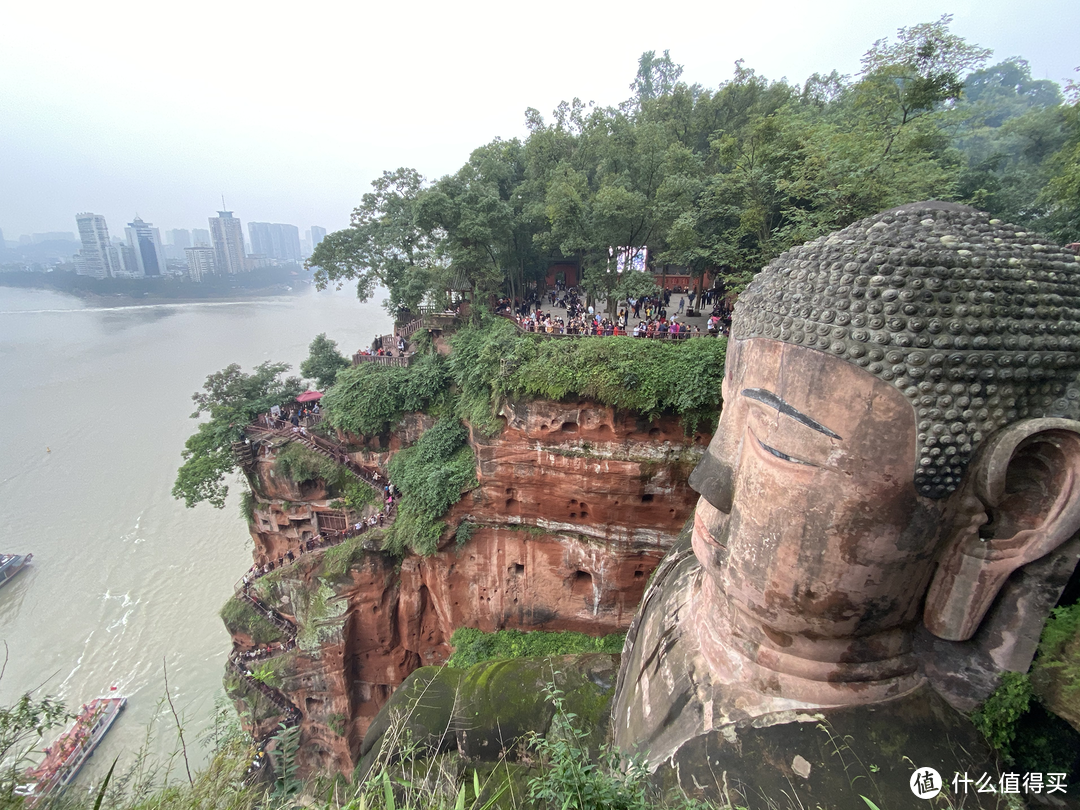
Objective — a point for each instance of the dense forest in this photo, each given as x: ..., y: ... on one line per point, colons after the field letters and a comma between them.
x: 722, y: 179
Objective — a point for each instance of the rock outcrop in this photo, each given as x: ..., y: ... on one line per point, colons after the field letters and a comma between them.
x: 576, y: 505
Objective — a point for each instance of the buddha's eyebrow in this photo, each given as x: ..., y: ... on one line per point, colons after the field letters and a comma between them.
x: 773, y: 401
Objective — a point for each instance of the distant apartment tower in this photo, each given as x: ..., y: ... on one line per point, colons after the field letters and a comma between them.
x: 98, y: 257
x: 276, y: 241
x: 200, y: 262
x: 317, y: 235
x: 227, y: 234
x: 179, y: 238
x: 145, y: 240
x: 200, y: 237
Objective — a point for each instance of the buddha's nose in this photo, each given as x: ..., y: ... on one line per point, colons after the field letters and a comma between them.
x: 714, y: 480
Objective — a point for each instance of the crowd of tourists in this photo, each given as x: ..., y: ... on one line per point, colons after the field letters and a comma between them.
x: 645, y: 317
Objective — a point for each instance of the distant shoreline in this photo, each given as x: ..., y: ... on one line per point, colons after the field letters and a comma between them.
x: 260, y: 283
x: 129, y: 300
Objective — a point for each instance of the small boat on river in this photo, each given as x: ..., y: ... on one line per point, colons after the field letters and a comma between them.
x: 11, y: 564
x: 65, y: 757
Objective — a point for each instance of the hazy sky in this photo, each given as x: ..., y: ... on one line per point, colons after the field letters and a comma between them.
x: 291, y: 109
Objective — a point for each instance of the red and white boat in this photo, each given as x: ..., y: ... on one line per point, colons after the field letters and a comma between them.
x: 65, y: 757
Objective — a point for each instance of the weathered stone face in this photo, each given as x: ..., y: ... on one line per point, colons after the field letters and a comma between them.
x: 816, y: 545
x: 975, y: 321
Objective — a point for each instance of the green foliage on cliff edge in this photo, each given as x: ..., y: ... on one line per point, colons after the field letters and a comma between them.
x: 493, y: 359
x: 473, y: 646
x: 370, y: 398
x: 240, y: 617
x: 432, y: 475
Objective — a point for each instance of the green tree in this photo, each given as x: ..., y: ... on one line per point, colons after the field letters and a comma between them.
x: 486, y: 224
x: 323, y: 362
x: 383, y: 246
x: 1062, y: 193
x: 656, y: 76
x: 232, y: 399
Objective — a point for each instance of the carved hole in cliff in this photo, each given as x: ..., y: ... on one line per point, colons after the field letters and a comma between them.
x: 569, y: 427
x: 516, y: 569
x: 581, y: 584
x: 573, y: 514
x: 605, y: 431
x: 573, y: 501
x: 312, y: 703
x: 511, y: 503
x: 639, y: 575
x: 544, y: 426
x: 509, y: 490
x: 616, y: 503
x: 584, y: 514
x: 654, y: 432
x: 646, y: 498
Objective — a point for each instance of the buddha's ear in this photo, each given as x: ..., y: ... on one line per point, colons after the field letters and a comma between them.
x: 1021, y: 501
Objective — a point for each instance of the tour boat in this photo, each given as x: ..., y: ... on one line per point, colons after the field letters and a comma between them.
x: 11, y: 564
x: 65, y: 757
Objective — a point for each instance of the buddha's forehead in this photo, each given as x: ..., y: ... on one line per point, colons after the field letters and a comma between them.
x: 976, y: 323
x: 864, y: 418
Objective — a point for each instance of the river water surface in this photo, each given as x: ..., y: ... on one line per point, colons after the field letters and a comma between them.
x: 125, y: 580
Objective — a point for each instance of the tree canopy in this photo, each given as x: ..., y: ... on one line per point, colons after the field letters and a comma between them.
x: 232, y: 399
x: 324, y: 361
x: 721, y: 178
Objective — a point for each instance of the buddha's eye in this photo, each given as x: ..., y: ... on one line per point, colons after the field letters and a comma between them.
x: 778, y: 453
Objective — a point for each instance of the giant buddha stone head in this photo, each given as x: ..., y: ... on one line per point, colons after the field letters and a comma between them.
x: 898, y: 436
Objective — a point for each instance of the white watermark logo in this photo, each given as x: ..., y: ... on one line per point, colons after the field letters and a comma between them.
x: 926, y: 783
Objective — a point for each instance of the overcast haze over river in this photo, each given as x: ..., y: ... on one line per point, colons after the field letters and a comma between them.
x: 124, y: 577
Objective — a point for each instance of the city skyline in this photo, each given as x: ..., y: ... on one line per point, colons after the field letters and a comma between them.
x: 194, y: 135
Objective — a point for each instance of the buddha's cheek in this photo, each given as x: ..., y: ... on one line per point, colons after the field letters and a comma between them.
x: 817, y: 552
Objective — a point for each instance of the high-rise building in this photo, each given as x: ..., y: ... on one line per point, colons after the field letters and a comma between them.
x: 176, y: 242
x: 179, y: 238
x: 200, y: 237
x: 128, y: 260
x: 200, y: 262
x: 227, y: 234
x: 276, y: 241
x: 317, y: 235
x: 98, y: 257
x: 145, y: 239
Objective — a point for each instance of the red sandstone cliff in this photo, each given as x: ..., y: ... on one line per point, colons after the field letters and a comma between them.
x: 576, y: 505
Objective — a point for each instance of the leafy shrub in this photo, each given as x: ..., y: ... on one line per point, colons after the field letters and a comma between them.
x: 570, y: 777
x: 371, y: 398
x: 998, y: 716
x: 431, y: 475
x: 494, y: 359
x: 1062, y: 627
x: 473, y: 646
